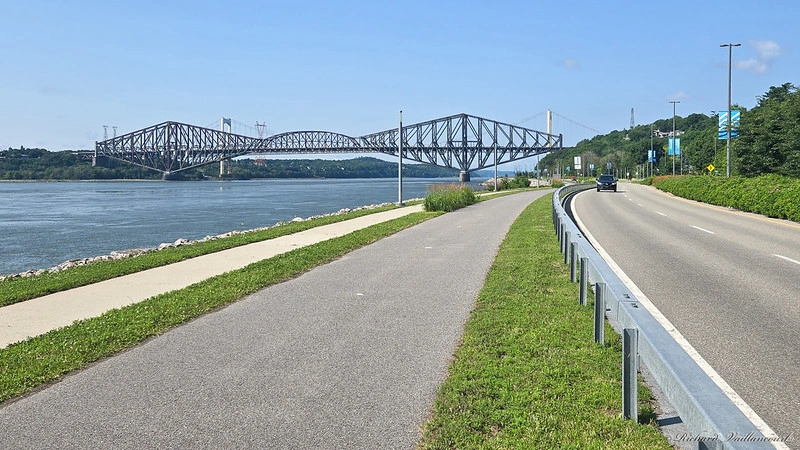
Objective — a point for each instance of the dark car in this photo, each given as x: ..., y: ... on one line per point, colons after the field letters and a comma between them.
x: 607, y: 182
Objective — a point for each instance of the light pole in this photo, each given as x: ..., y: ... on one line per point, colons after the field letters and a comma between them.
x: 400, y: 161
x: 674, y: 147
x: 728, y: 154
x: 652, y: 152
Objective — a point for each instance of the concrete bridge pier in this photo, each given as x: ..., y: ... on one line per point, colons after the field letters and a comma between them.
x: 224, y: 167
x: 463, y: 176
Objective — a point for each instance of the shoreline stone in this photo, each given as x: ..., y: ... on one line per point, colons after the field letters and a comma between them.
x: 132, y: 253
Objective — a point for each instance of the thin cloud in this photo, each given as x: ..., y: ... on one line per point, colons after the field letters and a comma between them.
x: 570, y: 64
x: 767, y: 52
x: 678, y: 96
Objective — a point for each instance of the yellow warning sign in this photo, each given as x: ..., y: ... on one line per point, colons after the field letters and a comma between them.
x: 710, y: 167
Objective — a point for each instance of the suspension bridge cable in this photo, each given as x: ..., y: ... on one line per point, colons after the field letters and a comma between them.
x: 576, y: 123
x: 527, y: 119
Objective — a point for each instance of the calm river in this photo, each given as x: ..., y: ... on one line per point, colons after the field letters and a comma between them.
x: 44, y: 224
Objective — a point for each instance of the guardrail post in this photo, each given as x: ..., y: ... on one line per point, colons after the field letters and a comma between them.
x: 573, y: 261
x: 567, y: 242
x: 600, y: 313
x: 584, y: 280
x: 630, y: 368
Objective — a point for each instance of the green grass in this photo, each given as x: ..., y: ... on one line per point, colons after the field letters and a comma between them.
x: 448, y: 197
x: 528, y: 373
x: 30, y: 363
x: 13, y: 290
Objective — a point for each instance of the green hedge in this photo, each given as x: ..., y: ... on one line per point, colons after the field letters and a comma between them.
x: 771, y: 195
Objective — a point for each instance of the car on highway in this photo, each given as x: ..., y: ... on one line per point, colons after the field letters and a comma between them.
x: 607, y: 182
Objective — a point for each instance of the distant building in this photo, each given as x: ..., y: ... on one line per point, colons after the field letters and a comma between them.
x: 666, y: 134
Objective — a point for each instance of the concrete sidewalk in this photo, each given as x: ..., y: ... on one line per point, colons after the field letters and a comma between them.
x: 40, y: 315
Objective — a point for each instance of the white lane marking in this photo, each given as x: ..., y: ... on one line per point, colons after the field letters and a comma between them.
x: 702, y: 229
x: 786, y: 258
x: 659, y: 212
x: 682, y: 341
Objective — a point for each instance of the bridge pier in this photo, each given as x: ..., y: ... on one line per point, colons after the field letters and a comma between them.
x: 463, y: 176
x: 99, y: 161
x: 224, y: 167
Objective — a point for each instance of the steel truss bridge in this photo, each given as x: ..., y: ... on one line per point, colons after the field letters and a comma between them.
x: 458, y: 142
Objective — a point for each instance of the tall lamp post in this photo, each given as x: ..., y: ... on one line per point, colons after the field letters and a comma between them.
x: 674, y: 147
x: 728, y: 154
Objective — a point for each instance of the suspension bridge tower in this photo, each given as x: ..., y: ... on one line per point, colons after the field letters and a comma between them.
x: 225, y: 164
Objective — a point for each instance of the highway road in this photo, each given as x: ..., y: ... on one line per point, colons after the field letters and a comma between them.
x: 727, y: 280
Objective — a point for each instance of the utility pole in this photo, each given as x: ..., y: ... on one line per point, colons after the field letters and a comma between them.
x: 674, y: 147
x: 728, y: 154
x: 400, y: 161
x: 652, y: 153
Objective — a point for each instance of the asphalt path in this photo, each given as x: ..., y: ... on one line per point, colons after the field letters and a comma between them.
x: 348, y: 355
x: 726, y: 279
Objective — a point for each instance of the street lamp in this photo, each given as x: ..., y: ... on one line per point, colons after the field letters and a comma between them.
x: 728, y: 155
x: 651, y: 153
x: 674, y: 147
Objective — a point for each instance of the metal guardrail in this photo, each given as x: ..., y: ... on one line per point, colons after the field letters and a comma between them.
x: 711, y: 417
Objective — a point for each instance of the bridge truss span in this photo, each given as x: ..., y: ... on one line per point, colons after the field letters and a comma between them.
x: 460, y: 142
x: 174, y: 147
x: 464, y: 142
x: 309, y: 141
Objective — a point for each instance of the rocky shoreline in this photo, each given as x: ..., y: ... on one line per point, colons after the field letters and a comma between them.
x: 132, y: 253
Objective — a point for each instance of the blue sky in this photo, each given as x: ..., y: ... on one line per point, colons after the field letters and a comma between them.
x: 70, y: 67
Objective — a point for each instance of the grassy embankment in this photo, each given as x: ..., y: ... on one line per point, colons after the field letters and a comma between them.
x: 770, y: 195
x: 528, y: 374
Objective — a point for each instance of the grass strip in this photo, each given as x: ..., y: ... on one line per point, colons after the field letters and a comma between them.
x: 528, y: 373
x: 13, y: 290
x: 30, y: 363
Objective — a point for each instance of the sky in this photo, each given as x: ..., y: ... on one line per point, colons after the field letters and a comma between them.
x: 70, y: 67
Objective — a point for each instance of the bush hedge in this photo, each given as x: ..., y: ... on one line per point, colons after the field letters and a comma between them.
x: 771, y: 195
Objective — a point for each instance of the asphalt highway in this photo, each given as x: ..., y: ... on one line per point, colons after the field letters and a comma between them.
x: 727, y: 280
x: 349, y: 355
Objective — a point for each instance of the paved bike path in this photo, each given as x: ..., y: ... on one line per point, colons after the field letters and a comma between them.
x: 348, y: 355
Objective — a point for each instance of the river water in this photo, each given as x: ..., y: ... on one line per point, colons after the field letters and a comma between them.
x: 44, y: 224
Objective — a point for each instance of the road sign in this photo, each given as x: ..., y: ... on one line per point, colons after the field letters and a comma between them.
x: 710, y: 167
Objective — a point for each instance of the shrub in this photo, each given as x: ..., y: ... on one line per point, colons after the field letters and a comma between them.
x: 771, y: 195
x: 448, y: 197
